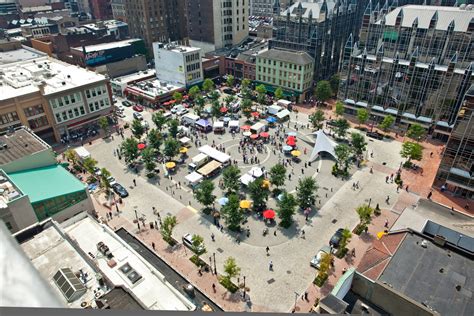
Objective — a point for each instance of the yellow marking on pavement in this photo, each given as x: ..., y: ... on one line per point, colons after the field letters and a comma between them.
x: 192, y: 209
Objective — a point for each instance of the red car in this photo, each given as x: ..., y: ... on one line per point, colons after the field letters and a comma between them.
x: 138, y: 108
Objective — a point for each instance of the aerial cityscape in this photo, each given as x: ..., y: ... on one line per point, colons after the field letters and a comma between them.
x: 274, y: 156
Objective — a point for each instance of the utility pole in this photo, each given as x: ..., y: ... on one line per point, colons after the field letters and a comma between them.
x: 215, y: 267
x: 244, y: 286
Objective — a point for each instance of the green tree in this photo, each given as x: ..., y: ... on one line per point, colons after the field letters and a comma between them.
x: 204, y: 193
x: 358, y: 143
x: 362, y: 116
x: 231, y: 179
x: 334, y: 82
x: 173, y: 128
x: 230, y: 268
x: 198, y: 245
x: 247, y: 108
x: 89, y: 164
x: 194, y: 92
x: 341, y: 126
x: 215, y: 109
x: 323, y: 91
x: 104, y: 125
x: 261, y: 93
x: 324, y: 266
x: 129, y: 149
x: 286, y: 209
x: 387, y: 123
x: 317, y: 119
x: 155, y: 139
x: 232, y: 214
x: 345, y: 238
x: 245, y: 84
x: 171, y: 148
x: 178, y: 97
x: 339, y: 108
x: 159, y: 120
x: 166, y: 229
x: 258, y: 194
x: 230, y: 81
x: 365, y: 214
x: 208, y: 85
x: 411, y: 151
x: 148, y: 156
x: 416, y: 132
x: 279, y: 93
x: 306, y: 192
x: 229, y: 99
x: 277, y: 175
x: 214, y: 95
x: 137, y: 129
x: 104, y: 179
x: 199, y: 105
x: 343, y: 154
x: 71, y: 156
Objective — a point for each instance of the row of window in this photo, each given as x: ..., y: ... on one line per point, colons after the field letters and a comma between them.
x: 9, y: 118
x: 97, y: 91
x: 98, y: 105
x: 41, y: 121
x: 192, y: 57
x: 70, y: 114
x: 283, y: 64
x: 34, y: 110
x: 283, y: 83
x: 194, y: 75
x: 193, y: 67
x: 65, y: 100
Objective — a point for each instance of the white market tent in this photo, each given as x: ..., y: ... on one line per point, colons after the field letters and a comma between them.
x: 274, y: 109
x: 185, y: 141
x: 255, y: 172
x: 323, y: 143
x: 284, y: 102
x: 246, y: 179
x: 234, y: 124
x: 82, y: 152
x: 193, y: 178
x: 282, y: 114
x: 215, y: 154
x: 218, y: 124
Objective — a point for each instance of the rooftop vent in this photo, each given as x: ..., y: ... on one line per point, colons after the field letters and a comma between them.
x: 69, y: 284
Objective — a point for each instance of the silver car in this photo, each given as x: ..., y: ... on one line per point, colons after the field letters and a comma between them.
x: 316, y: 261
x: 188, y: 242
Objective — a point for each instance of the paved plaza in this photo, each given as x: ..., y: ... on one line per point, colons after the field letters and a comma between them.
x: 290, y: 254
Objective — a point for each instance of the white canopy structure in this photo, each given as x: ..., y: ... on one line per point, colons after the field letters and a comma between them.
x: 323, y: 143
x: 282, y: 114
x: 256, y: 172
x: 193, y: 178
x: 218, y: 124
x: 246, y: 179
x: 234, y: 123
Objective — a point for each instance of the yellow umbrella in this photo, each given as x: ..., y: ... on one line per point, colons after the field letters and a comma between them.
x: 296, y: 153
x: 265, y: 184
x: 380, y: 234
x: 245, y: 204
x: 170, y: 165
x: 183, y: 150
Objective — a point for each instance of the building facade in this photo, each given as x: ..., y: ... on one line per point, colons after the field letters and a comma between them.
x: 101, y: 9
x: 118, y: 10
x: 289, y: 70
x: 216, y: 24
x: 261, y: 7
x: 156, y: 20
x: 178, y: 64
x: 319, y: 28
x: 414, y: 63
x: 456, y: 170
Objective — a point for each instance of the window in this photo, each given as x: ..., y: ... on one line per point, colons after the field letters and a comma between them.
x: 91, y: 107
x: 38, y: 122
x: 69, y: 112
x: 58, y: 118
x: 64, y: 114
x: 82, y: 110
x: 88, y: 93
x: 9, y: 118
x: 76, y: 112
x: 34, y: 110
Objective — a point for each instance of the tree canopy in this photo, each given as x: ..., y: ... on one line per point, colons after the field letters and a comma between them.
x: 171, y: 147
x: 306, y: 192
x: 129, y: 149
x: 339, y: 108
x: 323, y: 91
x: 343, y: 154
x: 208, y: 85
x: 387, y: 123
x: 230, y: 81
x: 362, y: 115
x: 411, y: 151
x: 279, y: 93
x: 159, y: 120
x: 137, y: 129
x: 258, y: 194
x: 178, y: 97
x: 194, y: 92
x: 204, y: 193
x: 231, y: 212
x: 317, y: 119
x: 277, y: 175
x: 286, y: 209
x: 341, y: 127
x: 231, y: 179
x: 334, y: 82
x: 358, y: 143
x: 416, y: 132
x: 365, y: 212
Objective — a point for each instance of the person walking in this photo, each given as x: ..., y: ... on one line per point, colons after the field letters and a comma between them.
x: 406, y: 188
x: 214, y: 287
x: 429, y: 195
x: 270, y: 265
x: 387, y: 199
x: 268, y: 250
x: 385, y: 224
x: 213, y: 237
x: 302, y: 234
x: 134, y: 182
x: 153, y: 245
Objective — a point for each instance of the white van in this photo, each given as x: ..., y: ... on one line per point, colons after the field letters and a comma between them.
x: 258, y: 127
x: 189, y: 119
x: 198, y: 161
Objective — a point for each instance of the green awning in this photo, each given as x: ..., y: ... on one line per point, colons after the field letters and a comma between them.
x: 272, y: 89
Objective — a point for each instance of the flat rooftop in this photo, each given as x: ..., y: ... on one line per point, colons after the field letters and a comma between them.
x: 22, y: 78
x: 436, y: 277
x: 148, y: 286
x: 49, y: 252
x: 119, y: 298
x: 153, y: 88
x: 135, y: 76
x: 106, y: 46
x: 46, y: 183
x: 19, y: 144
x: 19, y: 55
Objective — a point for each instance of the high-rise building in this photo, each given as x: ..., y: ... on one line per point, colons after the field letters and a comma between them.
x: 101, y: 9
x: 156, y: 20
x: 216, y: 24
x: 456, y: 171
x: 412, y: 62
x: 319, y: 28
x: 118, y: 10
x: 261, y: 7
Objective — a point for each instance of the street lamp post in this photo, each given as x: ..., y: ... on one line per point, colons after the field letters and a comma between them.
x: 244, y: 286
x: 296, y: 299
x: 215, y: 267
x: 138, y: 222
x: 370, y: 201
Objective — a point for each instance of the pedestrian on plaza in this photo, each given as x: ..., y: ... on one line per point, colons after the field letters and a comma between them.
x: 134, y: 182
x: 156, y: 225
x: 275, y: 233
x: 306, y: 295
x: 302, y: 234
x: 213, y: 237
x: 429, y: 195
x: 302, y: 171
x: 431, y: 154
x: 371, y: 170
x: 270, y: 265
x: 289, y: 176
x: 214, y: 287
x: 387, y: 199
x: 110, y: 215
x: 386, y: 179
x: 153, y: 245
x: 372, y: 154
x: 268, y: 250
x: 406, y: 188
x: 385, y: 224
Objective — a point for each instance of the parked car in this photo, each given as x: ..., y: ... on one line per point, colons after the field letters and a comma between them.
x: 114, y: 99
x: 188, y: 242
x: 228, y: 91
x: 145, y: 125
x: 182, y: 111
x: 120, y: 190
x: 119, y: 108
x: 336, y: 238
x: 137, y: 116
x: 111, y: 180
x: 316, y: 261
x: 138, y: 108
x: 177, y: 107
x: 120, y: 114
x: 97, y: 171
x: 127, y: 103
x: 375, y: 135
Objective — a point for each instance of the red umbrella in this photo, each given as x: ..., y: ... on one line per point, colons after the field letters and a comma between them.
x: 141, y: 146
x: 264, y: 134
x: 255, y: 114
x: 269, y: 214
x: 224, y: 109
x: 254, y: 136
x: 291, y: 142
x: 292, y: 138
x: 245, y: 127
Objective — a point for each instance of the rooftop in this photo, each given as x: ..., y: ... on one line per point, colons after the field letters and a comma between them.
x: 8, y: 190
x: 299, y: 58
x: 176, y: 48
x: 435, y: 276
x: 106, y: 46
x: 25, y: 77
x: 424, y: 14
x: 121, y: 299
x: 153, y: 88
x: 307, y: 7
x: 135, y: 76
x: 19, y: 144
x: 49, y: 251
x: 19, y: 55
x: 109, y: 24
x: 145, y: 282
x: 47, y: 182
